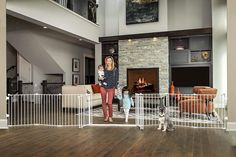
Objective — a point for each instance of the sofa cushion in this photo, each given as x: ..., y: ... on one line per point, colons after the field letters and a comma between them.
x: 196, y: 88
x: 208, y: 93
x: 96, y: 88
x: 196, y: 106
x: 68, y: 89
x: 79, y: 89
x: 192, y: 106
x: 96, y: 96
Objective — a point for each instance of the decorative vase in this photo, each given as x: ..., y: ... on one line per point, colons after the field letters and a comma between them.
x: 172, y: 88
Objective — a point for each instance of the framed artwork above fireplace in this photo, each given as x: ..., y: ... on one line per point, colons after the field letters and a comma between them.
x: 142, y: 11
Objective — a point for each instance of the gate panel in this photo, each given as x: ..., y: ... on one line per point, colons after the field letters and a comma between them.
x: 49, y: 110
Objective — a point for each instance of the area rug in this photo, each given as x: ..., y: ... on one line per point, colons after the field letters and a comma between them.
x: 173, y: 112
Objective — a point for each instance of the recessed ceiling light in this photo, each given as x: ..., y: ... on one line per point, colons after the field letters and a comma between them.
x: 45, y: 27
x: 80, y: 39
x: 129, y: 40
x: 154, y: 38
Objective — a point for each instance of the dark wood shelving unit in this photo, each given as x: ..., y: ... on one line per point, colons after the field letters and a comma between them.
x: 110, y: 49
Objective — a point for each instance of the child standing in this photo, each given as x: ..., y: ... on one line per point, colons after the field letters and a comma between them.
x: 101, y: 75
x: 127, y: 102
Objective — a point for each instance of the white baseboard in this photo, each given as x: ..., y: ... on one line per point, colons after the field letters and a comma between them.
x: 3, y: 124
x: 231, y: 126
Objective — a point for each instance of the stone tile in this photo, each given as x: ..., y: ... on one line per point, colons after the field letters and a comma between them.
x: 145, y: 53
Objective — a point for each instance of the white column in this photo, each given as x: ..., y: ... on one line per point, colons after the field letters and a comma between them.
x: 231, y: 64
x: 3, y: 120
x: 98, y: 59
x: 219, y: 40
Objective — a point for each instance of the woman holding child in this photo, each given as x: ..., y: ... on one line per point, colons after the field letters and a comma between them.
x: 108, y: 86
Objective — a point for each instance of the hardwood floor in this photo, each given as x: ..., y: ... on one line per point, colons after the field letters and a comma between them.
x: 116, y: 142
x: 100, y: 120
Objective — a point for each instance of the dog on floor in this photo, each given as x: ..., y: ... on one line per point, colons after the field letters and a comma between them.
x: 164, y: 120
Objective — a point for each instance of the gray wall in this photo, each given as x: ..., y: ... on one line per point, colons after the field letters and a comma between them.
x: 11, y: 60
x: 111, y: 17
x: 100, y: 17
x: 173, y: 15
x: 189, y: 14
x: 161, y: 25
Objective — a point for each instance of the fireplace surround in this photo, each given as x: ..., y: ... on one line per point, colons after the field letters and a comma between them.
x: 145, y: 53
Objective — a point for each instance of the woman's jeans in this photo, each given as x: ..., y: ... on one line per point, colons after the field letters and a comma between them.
x: 104, y: 93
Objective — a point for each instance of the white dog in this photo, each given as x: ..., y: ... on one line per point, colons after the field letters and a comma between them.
x: 164, y: 120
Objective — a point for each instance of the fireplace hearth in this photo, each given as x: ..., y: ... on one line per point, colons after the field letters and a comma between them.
x: 143, y: 80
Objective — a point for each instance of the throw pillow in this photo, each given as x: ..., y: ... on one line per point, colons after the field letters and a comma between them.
x: 96, y: 88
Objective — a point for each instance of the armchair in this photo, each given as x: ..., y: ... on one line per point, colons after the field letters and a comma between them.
x: 202, y: 102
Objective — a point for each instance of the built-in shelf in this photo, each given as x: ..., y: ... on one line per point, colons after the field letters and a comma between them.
x: 200, y: 56
x: 110, y: 49
x: 193, y: 52
x: 190, y: 50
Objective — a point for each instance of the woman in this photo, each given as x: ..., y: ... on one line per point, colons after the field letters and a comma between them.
x: 108, y: 89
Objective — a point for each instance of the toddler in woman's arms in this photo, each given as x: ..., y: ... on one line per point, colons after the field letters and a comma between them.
x: 101, y: 75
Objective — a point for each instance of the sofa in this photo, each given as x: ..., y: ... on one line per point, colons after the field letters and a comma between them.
x: 68, y: 102
x: 200, y: 102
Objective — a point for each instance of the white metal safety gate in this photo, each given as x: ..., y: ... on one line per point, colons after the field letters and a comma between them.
x: 49, y: 110
x: 188, y: 110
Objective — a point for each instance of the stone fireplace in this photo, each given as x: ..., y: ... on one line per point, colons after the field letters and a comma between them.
x: 143, y: 80
x: 143, y: 54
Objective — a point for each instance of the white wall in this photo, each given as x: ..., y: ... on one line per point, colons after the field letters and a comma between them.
x: 51, y: 14
x: 50, y: 44
x: 38, y: 77
x: 3, y: 58
x: 63, y: 52
x: 26, y: 43
x: 231, y: 64
x: 161, y: 25
x: 219, y: 25
x: 189, y: 14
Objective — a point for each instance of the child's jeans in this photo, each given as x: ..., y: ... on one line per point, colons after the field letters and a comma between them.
x: 104, y: 93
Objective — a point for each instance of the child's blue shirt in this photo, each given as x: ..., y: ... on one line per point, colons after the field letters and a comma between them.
x: 127, y: 101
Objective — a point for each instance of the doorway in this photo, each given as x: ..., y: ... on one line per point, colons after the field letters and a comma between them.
x: 89, y: 70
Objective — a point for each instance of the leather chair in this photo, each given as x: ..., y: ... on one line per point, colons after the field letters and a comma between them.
x: 202, y: 102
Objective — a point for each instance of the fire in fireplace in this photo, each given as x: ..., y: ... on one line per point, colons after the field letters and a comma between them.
x: 143, y: 80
